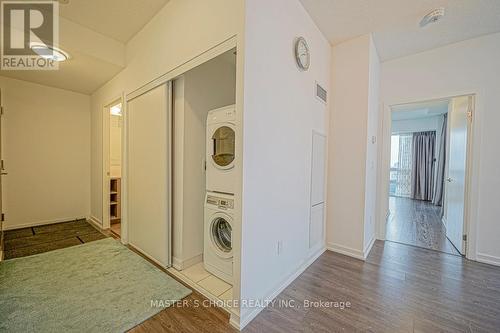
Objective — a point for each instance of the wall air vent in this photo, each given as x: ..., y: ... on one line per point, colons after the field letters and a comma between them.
x: 321, y: 93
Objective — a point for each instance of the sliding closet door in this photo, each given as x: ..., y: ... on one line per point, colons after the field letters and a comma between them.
x: 148, y: 174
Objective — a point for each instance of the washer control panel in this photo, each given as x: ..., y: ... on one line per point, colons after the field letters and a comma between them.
x: 220, y: 202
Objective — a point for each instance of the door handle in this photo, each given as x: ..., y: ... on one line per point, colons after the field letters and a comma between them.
x: 3, y: 173
x: 449, y: 180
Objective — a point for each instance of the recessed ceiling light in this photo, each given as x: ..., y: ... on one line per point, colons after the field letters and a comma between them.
x: 116, y: 110
x: 49, y: 52
x: 432, y: 17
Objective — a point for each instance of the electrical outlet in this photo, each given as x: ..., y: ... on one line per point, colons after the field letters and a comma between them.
x: 280, y: 247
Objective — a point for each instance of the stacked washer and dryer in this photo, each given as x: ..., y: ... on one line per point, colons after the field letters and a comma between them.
x: 220, y: 187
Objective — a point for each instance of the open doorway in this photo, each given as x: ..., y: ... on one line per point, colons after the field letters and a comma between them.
x: 115, y: 167
x: 428, y: 174
x: 204, y: 176
x: 112, y: 168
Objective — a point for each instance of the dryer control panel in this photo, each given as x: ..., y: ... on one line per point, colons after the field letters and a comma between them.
x: 220, y: 202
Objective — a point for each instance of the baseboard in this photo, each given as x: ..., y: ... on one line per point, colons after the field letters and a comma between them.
x: 95, y: 221
x: 40, y: 223
x: 240, y: 322
x: 180, y: 264
x: 368, y: 248
x: 487, y: 259
x: 346, y: 251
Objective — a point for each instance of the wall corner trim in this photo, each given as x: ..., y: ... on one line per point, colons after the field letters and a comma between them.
x: 346, y: 251
x: 95, y: 221
x: 368, y: 248
x: 272, y: 295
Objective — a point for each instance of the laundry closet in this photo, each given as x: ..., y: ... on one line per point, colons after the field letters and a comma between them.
x: 203, y: 183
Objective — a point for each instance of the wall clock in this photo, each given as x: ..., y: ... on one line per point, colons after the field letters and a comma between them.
x: 302, y: 54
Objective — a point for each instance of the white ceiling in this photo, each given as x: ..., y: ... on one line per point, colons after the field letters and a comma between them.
x: 83, y: 74
x: 118, y: 19
x: 94, y: 33
x: 420, y: 110
x: 395, y: 23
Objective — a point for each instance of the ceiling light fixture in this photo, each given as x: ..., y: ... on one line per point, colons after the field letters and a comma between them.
x: 49, y: 52
x: 116, y: 110
x: 432, y: 17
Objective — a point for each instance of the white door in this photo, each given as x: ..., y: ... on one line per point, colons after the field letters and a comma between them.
x: 148, y: 144
x: 458, y: 121
x: 316, y: 225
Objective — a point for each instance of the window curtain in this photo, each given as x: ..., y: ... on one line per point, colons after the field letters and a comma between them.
x: 438, y: 195
x: 422, y: 175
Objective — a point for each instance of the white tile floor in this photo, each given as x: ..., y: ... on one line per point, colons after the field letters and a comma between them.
x: 215, y: 286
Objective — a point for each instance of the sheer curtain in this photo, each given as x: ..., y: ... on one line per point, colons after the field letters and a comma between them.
x: 422, y: 171
x: 401, y: 159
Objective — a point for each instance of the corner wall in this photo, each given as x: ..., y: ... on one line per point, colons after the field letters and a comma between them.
x: 46, y: 148
x: 281, y: 111
x: 353, y: 147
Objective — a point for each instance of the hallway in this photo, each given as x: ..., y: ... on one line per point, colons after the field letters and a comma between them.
x: 417, y: 223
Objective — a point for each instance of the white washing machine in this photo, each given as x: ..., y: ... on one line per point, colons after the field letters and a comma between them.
x: 218, y: 247
x: 220, y: 154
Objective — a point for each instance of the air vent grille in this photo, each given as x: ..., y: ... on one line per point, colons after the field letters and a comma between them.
x: 321, y: 93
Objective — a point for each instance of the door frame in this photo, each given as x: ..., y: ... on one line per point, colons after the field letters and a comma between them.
x: 105, y: 116
x: 472, y: 169
x: 2, y: 173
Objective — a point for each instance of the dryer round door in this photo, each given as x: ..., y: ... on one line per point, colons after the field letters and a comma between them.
x: 223, y: 146
x: 221, y: 233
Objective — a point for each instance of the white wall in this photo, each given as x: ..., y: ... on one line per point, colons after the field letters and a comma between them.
x: 352, y: 151
x: 420, y: 125
x: 471, y: 66
x: 207, y: 87
x: 371, y: 148
x: 46, y: 142
x: 416, y: 125
x: 115, y: 145
x: 281, y: 111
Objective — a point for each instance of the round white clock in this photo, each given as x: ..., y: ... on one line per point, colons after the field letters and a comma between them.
x: 302, y: 54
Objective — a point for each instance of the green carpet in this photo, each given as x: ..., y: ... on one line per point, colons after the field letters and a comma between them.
x: 101, y: 286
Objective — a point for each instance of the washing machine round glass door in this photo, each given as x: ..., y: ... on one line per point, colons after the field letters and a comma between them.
x: 223, y: 147
x: 221, y: 236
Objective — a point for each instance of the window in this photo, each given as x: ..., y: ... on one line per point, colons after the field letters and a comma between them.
x: 401, y: 160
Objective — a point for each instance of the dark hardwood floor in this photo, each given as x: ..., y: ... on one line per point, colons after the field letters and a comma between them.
x: 417, y: 223
x: 398, y: 289
x: 34, y: 240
